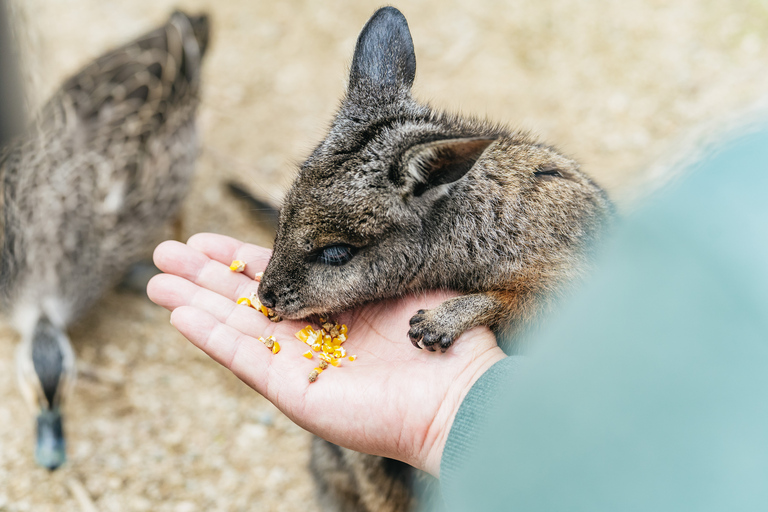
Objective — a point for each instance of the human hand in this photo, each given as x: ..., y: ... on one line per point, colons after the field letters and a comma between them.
x: 394, y: 400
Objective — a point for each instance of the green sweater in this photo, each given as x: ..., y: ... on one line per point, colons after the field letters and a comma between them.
x: 649, y: 390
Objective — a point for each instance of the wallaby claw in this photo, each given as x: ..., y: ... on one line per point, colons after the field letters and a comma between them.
x: 426, y: 333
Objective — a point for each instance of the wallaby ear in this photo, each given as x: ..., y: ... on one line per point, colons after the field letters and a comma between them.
x: 384, y: 55
x: 441, y: 162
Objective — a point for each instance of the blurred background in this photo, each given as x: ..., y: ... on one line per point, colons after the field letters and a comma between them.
x: 154, y: 424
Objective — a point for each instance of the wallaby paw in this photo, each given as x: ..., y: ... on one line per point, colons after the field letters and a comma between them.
x: 427, y: 332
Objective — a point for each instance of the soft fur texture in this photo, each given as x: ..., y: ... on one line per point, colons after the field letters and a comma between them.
x: 86, y: 188
x: 421, y: 200
x: 105, y: 163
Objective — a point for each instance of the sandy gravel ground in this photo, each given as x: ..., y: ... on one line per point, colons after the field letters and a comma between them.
x: 154, y: 425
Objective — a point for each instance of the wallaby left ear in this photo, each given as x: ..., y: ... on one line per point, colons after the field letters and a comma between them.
x: 384, y: 55
x: 441, y: 162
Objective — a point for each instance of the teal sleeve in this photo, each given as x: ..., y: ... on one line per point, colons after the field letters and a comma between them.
x: 468, y: 423
x: 648, y: 390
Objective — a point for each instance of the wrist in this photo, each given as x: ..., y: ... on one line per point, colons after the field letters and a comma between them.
x: 486, y: 353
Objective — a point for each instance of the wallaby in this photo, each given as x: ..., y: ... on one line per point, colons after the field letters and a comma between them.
x: 400, y: 198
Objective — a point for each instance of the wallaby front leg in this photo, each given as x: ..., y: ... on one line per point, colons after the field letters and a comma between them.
x: 439, y: 327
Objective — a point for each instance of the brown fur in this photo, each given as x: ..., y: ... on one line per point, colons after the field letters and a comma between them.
x: 399, y: 198
x: 85, y: 189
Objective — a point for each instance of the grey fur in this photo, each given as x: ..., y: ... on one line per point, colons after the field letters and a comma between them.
x: 107, y: 160
x: 85, y: 189
x: 348, y: 481
x: 426, y: 200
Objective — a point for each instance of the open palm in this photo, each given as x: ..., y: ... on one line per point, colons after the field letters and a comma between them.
x: 393, y: 400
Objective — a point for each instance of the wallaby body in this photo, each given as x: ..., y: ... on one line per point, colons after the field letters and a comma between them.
x: 399, y: 198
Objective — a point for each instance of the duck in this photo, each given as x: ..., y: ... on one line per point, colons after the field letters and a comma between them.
x: 84, y: 190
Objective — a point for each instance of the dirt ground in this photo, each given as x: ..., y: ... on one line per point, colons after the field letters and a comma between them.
x: 154, y: 425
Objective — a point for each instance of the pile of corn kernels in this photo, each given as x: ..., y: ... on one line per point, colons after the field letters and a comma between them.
x: 326, y: 343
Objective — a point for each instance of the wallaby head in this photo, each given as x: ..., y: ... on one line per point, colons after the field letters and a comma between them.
x: 399, y: 197
x: 351, y: 225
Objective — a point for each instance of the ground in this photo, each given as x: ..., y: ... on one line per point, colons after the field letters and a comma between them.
x: 153, y: 423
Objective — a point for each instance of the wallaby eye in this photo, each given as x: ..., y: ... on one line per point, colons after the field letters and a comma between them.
x: 549, y: 171
x: 336, y: 255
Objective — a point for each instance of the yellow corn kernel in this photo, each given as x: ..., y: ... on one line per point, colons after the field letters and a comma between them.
x: 275, y: 348
x: 343, y: 329
x: 327, y: 349
x: 244, y: 301
x: 352, y: 357
x: 258, y: 276
x: 302, y: 335
x: 323, y: 364
x: 312, y: 339
x: 339, y: 353
x: 264, y: 309
x: 317, y: 347
x: 307, y: 354
x: 327, y: 340
x: 341, y: 338
x: 237, y: 266
x: 269, y: 341
x: 329, y: 359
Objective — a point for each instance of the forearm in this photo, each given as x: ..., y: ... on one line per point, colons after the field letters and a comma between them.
x: 473, y: 387
x: 473, y: 414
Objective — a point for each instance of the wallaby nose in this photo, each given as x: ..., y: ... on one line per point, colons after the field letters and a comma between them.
x: 267, y: 297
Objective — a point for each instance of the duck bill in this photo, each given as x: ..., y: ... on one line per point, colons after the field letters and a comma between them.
x: 50, y: 450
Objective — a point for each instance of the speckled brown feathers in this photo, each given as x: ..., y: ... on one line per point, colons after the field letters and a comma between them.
x: 106, y: 161
x: 84, y: 192
x: 400, y: 198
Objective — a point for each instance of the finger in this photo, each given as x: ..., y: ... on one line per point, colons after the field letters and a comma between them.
x: 177, y: 258
x: 250, y: 360
x: 173, y: 292
x: 224, y: 344
x: 165, y: 291
x: 225, y: 249
x: 191, y: 264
